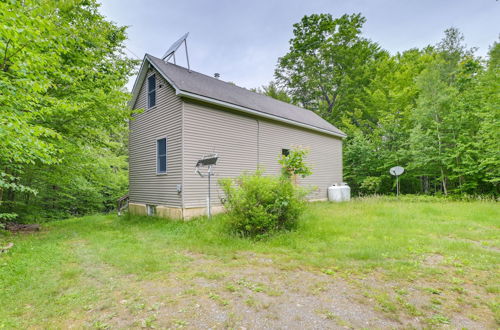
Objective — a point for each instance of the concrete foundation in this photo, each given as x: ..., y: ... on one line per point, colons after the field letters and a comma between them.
x: 201, y: 211
x: 137, y: 209
x: 173, y: 213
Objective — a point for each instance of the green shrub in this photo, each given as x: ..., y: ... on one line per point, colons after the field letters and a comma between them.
x: 293, y: 164
x: 258, y: 205
x: 370, y: 185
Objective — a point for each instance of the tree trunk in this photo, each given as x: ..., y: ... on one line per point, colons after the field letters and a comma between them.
x: 425, y: 184
x: 443, y: 182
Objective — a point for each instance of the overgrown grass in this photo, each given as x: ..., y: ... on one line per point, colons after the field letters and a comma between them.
x: 54, y: 278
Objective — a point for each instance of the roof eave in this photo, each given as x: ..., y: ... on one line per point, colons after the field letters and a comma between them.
x: 256, y: 113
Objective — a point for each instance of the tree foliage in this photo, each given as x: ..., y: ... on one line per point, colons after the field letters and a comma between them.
x: 434, y: 111
x: 328, y: 62
x: 63, y: 107
x: 293, y: 164
x: 274, y: 91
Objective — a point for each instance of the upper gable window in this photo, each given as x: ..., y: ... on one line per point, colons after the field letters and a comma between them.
x: 152, y: 91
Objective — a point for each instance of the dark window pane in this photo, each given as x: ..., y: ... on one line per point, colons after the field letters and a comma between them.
x: 285, y: 152
x: 152, y: 91
x: 152, y: 99
x: 151, y: 83
x: 162, y: 147
x: 162, y: 164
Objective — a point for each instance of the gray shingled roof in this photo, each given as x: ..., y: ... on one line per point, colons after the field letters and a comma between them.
x: 203, y: 85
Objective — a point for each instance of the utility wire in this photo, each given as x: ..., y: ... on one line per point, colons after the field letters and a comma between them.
x: 131, y: 52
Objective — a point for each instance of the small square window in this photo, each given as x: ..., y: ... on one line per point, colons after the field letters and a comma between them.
x: 151, y: 91
x: 285, y: 152
x: 151, y: 209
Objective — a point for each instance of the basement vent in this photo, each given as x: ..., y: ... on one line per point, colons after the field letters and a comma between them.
x: 151, y: 209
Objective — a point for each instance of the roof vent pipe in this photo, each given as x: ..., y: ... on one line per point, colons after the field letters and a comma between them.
x: 217, y: 75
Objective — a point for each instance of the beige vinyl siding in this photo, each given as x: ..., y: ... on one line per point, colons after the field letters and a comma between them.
x: 208, y: 130
x: 325, y: 154
x: 163, y: 120
x: 242, y: 142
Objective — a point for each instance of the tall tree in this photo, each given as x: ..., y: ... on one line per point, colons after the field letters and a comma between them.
x: 62, y: 101
x: 443, y: 119
x: 274, y: 91
x: 481, y: 153
x: 328, y: 66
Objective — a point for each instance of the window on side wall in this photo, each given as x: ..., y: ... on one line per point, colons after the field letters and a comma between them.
x: 151, y: 91
x: 285, y: 152
x: 161, y: 156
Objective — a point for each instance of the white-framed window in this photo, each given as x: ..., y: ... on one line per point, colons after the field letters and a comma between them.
x: 161, y: 155
x: 151, y: 91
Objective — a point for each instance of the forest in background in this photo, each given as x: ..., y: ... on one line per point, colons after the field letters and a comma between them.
x: 64, y: 113
x: 64, y: 116
x: 435, y: 111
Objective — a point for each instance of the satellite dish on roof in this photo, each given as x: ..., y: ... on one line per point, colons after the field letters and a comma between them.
x: 175, y: 46
x: 396, y: 170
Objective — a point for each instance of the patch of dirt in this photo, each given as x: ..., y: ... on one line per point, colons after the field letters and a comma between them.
x: 20, y: 227
x: 432, y: 301
x: 433, y: 260
x: 252, y: 292
x: 256, y: 298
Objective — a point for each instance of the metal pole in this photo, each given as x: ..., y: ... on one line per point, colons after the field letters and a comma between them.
x: 187, y: 55
x: 397, y: 185
x: 209, y: 197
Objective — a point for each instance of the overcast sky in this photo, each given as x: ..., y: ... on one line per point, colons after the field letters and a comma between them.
x: 242, y: 39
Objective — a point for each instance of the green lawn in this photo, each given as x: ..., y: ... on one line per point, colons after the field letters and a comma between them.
x: 408, y: 264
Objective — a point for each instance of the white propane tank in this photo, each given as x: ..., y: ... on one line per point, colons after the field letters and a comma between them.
x: 335, y: 193
x: 346, y: 192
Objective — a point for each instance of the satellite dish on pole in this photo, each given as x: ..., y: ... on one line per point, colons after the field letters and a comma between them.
x: 397, y: 171
x: 207, y: 161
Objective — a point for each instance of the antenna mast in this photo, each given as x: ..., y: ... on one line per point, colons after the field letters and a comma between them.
x: 175, y: 46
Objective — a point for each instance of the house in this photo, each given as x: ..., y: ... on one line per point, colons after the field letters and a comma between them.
x: 187, y: 114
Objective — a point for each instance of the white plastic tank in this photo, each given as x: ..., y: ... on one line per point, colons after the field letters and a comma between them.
x: 346, y: 192
x: 339, y: 192
x: 335, y: 193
